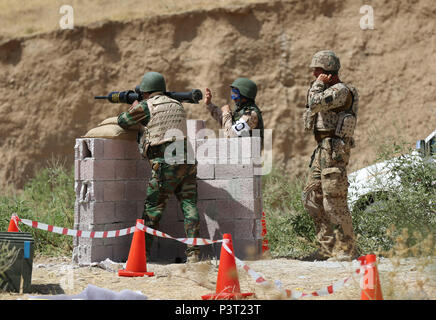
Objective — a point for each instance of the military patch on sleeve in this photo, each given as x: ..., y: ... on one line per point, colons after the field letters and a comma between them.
x: 328, y: 99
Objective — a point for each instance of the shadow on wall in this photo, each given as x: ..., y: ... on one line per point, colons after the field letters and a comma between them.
x: 220, y: 212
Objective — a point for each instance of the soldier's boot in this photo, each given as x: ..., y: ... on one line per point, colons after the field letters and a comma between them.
x: 344, y: 249
x: 192, y: 254
x: 313, y: 203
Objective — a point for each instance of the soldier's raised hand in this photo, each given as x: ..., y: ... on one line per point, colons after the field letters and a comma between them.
x: 207, y: 96
x: 324, y: 78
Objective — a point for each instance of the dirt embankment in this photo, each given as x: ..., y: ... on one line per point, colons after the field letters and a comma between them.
x: 48, y: 81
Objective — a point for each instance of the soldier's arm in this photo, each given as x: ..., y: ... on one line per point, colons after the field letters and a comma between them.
x: 250, y: 118
x: 321, y: 99
x: 216, y: 112
x: 227, y: 125
x: 137, y: 113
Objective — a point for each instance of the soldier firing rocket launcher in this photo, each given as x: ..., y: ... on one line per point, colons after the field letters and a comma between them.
x: 129, y: 96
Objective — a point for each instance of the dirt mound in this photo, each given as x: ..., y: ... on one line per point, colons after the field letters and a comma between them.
x: 48, y: 81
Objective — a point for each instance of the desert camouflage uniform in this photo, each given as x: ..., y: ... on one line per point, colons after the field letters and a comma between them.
x: 248, y: 111
x: 325, y: 193
x: 166, y: 179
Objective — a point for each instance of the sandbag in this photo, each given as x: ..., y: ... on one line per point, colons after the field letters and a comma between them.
x: 110, y: 129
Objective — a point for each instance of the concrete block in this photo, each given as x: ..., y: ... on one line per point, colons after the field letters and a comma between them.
x: 101, y: 252
x: 214, y: 229
x: 233, y: 171
x: 139, y: 208
x: 236, y: 209
x: 135, y: 190
x: 168, y: 250
x: 125, y: 211
x: 244, y: 229
x: 102, y: 212
x: 240, y: 188
x: 114, y: 149
x: 175, y: 229
x: 114, y: 190
x: 131, y: 151
x: 76, y: 170
x: 88, y: 148
x: 120, y: 252
x: 97, y: 169
x: 143, y: 170
x: 205, y: 171
x: 213, y: 189
x: 125, y: 169
x: 206, y: 151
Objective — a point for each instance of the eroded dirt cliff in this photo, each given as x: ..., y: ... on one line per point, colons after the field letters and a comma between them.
x: 48, y: 81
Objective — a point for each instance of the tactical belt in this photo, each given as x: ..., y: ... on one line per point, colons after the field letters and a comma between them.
x: 321, y: 135
x: 157, y: 151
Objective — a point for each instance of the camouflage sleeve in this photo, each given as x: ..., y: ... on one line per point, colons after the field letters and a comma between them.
x: 227, y: 125
x: 321, y: 99
x: 251, y: 119
x: 216, y: 112
x: 136, y: 114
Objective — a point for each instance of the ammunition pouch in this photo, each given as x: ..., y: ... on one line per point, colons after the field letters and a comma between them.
x: 321, y: 135
x: 346, y: 125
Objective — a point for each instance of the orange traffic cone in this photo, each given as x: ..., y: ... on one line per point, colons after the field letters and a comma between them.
x: 371, y: 288
x: 137, y: 262
x: 13, y: 224
x: 265, y: 246
x: 227, y: 285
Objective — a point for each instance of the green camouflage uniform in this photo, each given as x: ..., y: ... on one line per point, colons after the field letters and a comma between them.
x: 166, y: 179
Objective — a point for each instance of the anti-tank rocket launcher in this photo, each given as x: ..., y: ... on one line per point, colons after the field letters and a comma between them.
x: 129, y: 96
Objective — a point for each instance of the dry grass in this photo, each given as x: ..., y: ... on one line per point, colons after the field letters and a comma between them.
x: 39, y: 16
x: 418, y: 262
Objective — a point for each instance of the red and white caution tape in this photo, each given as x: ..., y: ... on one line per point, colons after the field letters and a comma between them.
x: 78, y: 233
x: 113, y: 233
x: 193, y: 241
x: 293, y: 294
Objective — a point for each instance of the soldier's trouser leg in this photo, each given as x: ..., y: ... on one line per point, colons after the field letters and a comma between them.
x: 313, y: 202
x: 159, y: 190
x: 335, y: 189
x: 334, y: 182
x: 186, y: 193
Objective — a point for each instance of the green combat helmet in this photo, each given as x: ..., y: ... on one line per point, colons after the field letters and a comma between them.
x: 152, y: 81
x: 246, y: 87
x: 327, y: 60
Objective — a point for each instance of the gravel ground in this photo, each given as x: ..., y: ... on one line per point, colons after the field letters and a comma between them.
x: 405, y: 280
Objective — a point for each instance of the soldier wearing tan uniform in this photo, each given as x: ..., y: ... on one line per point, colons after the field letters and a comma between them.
x: 331, y: 117
x: 247, y: 115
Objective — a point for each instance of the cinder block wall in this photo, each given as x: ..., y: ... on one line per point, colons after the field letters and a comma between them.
x: 111, y: 179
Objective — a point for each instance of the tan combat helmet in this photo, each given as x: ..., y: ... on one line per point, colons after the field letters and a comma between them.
x: 327, y: 60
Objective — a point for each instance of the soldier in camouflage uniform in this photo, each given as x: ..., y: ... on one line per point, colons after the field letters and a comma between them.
x: 331, y: 116
x: 247, y: 115
x: 157, y: 114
